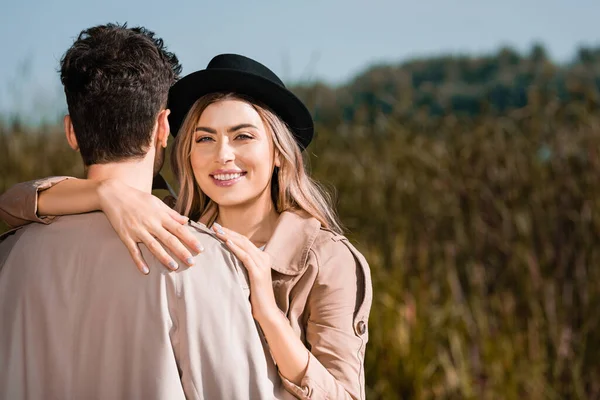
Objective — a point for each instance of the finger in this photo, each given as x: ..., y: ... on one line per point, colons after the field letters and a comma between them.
x: 161, y: 207
x: 225, y: 233
x: 157, y: 250
x: 178, y: 217
x: 221, y: 229
x: 136, y: 254
x: 218, y: 229
x: 243, y: 256
x: 240, y: 241
x: 185, y: 235
x: 175, y: 245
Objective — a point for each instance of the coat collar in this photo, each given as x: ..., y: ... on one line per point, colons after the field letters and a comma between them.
x: 294, y: 235
x: 291, y: 241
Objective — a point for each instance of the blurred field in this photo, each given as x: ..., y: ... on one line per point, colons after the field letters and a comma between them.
x: 473, y: 188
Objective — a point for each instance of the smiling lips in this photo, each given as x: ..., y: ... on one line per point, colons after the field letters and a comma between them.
x: 227, y: 178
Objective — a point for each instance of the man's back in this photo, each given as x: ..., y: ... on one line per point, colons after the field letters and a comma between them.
x: 79, y: 321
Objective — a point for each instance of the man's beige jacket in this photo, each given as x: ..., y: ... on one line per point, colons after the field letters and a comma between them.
x: 79, y: 321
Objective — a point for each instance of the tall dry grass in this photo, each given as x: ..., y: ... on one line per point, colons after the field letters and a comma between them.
x: 484, y: 239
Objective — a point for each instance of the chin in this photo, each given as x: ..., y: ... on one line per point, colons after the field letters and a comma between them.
x: 225, y: 197
x: 229, y: 201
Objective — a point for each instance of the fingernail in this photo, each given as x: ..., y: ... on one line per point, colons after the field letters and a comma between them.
x: 173, y: 265
x: 219, y: 228
x: 145, y: 269
x: 190, y: 261
x: 199, y: 247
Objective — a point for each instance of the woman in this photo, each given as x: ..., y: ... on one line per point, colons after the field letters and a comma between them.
x: 237, y: 156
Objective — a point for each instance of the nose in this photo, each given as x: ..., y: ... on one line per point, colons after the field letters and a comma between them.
x: 225, y: 152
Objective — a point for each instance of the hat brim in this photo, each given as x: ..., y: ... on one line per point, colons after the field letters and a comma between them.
x: 283, y: 102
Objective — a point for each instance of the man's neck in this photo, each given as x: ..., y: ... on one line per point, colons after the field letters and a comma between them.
x: 136, y: 173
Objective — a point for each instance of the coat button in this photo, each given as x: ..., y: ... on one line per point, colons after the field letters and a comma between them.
x: 361, y: 327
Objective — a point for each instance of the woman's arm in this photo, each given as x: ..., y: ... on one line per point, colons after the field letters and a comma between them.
x: 334, y: 367
x: 288, y: 351
x: 73, y: 196
x: 19, y: 204
x: 336, y: 332
x: 137, y: 217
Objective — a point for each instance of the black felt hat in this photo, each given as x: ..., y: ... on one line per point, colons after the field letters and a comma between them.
x: 239, y: 74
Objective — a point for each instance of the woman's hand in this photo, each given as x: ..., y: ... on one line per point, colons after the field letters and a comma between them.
x: 258, y: 265
x: 140, y: 217
x: 290, y: 354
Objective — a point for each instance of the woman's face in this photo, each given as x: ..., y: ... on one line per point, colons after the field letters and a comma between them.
x: 232, y: 154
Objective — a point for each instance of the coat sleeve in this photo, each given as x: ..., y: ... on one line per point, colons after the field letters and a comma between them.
x: 18, y: 205
x: 336, y: 332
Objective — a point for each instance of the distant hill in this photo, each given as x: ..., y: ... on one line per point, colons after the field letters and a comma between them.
x: 459, y: 85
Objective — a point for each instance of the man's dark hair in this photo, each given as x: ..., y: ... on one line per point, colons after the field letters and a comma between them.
x: 116, y: 81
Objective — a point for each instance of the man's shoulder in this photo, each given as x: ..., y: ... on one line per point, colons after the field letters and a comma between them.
x: 204, y: 234
x: 66, y: 223
x: 10, y: 233
x: 64, y: 245
x: 91, y: 220
x: 95, y: 217
x: 216, y: 263
x: 72, y: 231
x: 7, y: 242
x: 215, y: 250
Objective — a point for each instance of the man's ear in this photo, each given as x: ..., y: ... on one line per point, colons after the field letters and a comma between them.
x: 163, y: 130
x: 70, y: 133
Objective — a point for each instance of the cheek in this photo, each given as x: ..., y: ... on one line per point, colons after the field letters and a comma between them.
x: 197, y: 162
x: 262, y: 157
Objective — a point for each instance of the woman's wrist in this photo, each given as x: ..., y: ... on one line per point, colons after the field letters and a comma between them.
x: 71, y: 196
x: 271, y: 317
x: 105, y: 190
x: 290, y: 354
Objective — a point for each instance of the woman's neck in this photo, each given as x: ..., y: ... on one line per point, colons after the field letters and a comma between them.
x: 256, y: 221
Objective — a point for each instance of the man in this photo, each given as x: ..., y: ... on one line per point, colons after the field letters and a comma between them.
x: 76, y: 320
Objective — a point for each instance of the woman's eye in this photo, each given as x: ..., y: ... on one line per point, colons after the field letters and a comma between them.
x: 243, y: 136
x: 204, y: 139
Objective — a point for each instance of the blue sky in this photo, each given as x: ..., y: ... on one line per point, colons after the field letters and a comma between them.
x: 301, y: 40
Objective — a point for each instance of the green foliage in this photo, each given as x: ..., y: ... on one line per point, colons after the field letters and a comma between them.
x: 481, y: 227
x: 457, y: 85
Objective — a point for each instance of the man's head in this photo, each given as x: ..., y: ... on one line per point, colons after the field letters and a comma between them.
x: 116, y: 81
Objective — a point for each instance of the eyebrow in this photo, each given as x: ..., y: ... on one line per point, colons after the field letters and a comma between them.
x: 230, y: 130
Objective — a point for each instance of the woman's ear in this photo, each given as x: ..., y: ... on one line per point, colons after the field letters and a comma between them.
x: 70, y: 133
x: 277, y: 160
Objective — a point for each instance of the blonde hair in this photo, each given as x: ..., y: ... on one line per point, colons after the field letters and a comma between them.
x: 291, y: 187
